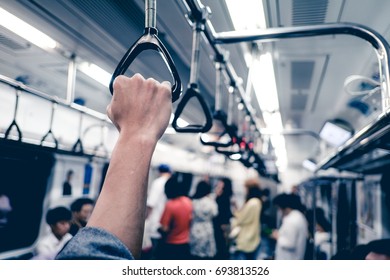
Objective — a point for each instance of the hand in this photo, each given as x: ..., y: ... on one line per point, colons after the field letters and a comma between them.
x: 140, y: 107
x: 275, y: 234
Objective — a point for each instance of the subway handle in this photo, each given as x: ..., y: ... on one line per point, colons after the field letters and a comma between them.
x: 149, y: 41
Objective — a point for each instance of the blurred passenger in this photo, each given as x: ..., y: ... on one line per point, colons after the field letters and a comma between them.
x: 59, y: 221
x: 322, y: 236
x: 247, y: 220
x: 175, y: 222
x: 81, y: 211
x: 155, y: 206
x: 5, y: 209
x: 378, y: 250
x: 375, y: 250
x: 204, y: 209
x: 292, y: 235
x: 140, y: 109
x: 221, y: 222
x: 67, y: 187
x: 267, y: 220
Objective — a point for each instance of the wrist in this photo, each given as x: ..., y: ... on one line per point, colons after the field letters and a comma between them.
x: 137, y: 139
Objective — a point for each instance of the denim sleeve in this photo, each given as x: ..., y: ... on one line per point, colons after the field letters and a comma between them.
x: 94, y: 244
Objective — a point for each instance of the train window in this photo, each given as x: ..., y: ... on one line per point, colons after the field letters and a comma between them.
x: 25, y: 173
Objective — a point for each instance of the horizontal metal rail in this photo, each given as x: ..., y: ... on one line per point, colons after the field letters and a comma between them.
x: 22, y: 87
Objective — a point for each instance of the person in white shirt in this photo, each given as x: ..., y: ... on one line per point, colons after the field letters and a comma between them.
x: 155, y: 205
x: 59, y: 221
x: 292, y: 235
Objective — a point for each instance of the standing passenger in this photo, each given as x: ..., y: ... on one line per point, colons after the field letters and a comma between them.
x: 223, y: 192
x: 247, y: 219
x: 204, y: 209
x: 67, y: 187
x: 175, y: 222
x: 292, y: 235
x: 155, y: 205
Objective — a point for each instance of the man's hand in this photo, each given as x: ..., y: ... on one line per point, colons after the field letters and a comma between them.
x: 140, y: 107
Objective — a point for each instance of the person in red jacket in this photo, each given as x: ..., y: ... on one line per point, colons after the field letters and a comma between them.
x: 176, y: 222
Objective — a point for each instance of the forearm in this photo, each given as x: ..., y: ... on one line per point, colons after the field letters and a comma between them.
x: 120, y: 208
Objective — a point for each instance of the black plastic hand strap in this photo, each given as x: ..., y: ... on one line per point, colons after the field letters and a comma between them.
x: 234, y: 147
x: 149, y: 41
x: 13, y: 124
x: 192, y: 92
x: 101, y: 147
x: 50, y: 132
x: 220, y: 116
x: 78, y: 147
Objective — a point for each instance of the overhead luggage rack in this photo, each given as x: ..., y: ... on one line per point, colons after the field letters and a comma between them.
x: 368, y: 151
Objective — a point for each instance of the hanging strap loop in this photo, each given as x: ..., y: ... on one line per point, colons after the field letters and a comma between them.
x: 101, y: 146
x: 14, y: 123
x: 192, y: 92
x: 50, y: 132
x: 149, y: 41
x: 78, y: 146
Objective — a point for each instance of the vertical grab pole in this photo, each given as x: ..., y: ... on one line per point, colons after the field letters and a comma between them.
x: 195, y: 53
x: 71, y: 80
x: 230, y: 105
x: 218, y: 81
x: 150, y: 13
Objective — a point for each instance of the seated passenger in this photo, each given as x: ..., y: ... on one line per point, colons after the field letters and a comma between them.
x: 378, y: 250
x: 81, y: 211
x: 59, y: 221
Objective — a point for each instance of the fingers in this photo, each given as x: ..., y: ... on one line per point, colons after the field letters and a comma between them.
x: 166, y: 84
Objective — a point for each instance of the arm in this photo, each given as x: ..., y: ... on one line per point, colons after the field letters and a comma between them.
x: 166, y: 219
x: 140, y: 109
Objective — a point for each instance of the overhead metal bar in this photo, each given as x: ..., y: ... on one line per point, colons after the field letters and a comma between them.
x: 359, y: 140
x: 196, y: 9
x: 18, y: 85
x: 274, y: 34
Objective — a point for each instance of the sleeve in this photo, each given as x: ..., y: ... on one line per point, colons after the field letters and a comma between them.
x: 43, y: 248
x: 214, y: 208
x: 287, y: 235
x: 94, y: 244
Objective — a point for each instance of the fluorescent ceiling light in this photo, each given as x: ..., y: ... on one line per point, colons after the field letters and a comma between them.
x: 274, y: 124
x: 264, y: 84
x: 25, y: 30
x: 246, y: 14
x: 95, y: 72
